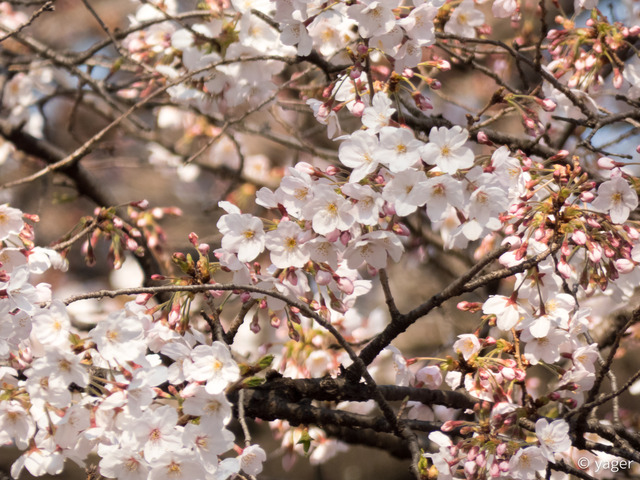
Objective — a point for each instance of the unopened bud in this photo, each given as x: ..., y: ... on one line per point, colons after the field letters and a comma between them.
x: 606, y: 163
x: 332, y: 170
x: 483, y: 139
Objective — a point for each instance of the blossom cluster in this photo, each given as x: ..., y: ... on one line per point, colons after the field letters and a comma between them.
x: 65, y: 394
x: 148, y: 388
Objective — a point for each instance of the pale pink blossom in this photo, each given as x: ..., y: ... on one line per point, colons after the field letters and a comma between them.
x: 616, y: 197
x: 213, y: 364
x: 467, y: 345
x: 553, y: 437
x: 446, y: 149
x: 251, y: 459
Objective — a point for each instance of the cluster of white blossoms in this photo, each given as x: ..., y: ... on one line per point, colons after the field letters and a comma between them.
x: 65, y: 394
x: 149, y: 393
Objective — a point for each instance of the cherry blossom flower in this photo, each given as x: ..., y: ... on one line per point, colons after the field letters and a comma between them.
x: 446, y: 149
x: 377, y: 116
x: 399, y: 148
x: 373, y: 248
x: 213, y: 364
x: 325, y: 116
x: 328, y: 211
x: 122, y: 462
x: 464, y: 19
x: 430, y: 376
x: 369, y: 203
x: 21, y: 293
x: 207, y: 443
x: 242, y: 234
x: 508, y: 313
x: 441, y: 192
x: 373, y: 17
x: 419, y: 24
x: 467, y: 345
x: 361, y: 151
x: 295, y: 33
x: 616, y: 197
x: 157, y: 432
x: 546, y: 349
x: 526, y: 463
x: 61, y: 367
x: 251, y: 459
x: 118, y: 338
x: 285, y: 245
x: 15, y: 424
x: 213, y: 409
x: 179, y: 464
x: 553, y: 437
x: 504, y: 8
x: 406, y: 191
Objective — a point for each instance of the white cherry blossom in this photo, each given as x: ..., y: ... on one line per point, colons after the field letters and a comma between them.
x: 446, y: 149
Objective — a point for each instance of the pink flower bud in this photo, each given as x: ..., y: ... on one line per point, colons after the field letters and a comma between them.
x: 565, y: 269
x: 333, y: 236
x: 132, y: 245
x: 483, y: 139
x: 141, y: 204
x: 254, y: 326
x: 388, y: 209
x: 606, y: 163
x: 143, y: 298
x: 305, y: 167
x: 443, y: 65
x: 501, y: 449
x: 587, y: 197
x: 624, y: 266
x: 323, y: 277
x: 529, y: 123
x: 617, y: 78
x: 345, y: 285
x: 174, y: 315
x: 421, y: 101
x: 449, y: 425
x: 193, y: 238
x: 332, y: 170
x: 547, y: 104
x: 592, y: 222
x: 358, y: 108
x: 579, y: 237
x: 553, y: 33
x: 470, y: 468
